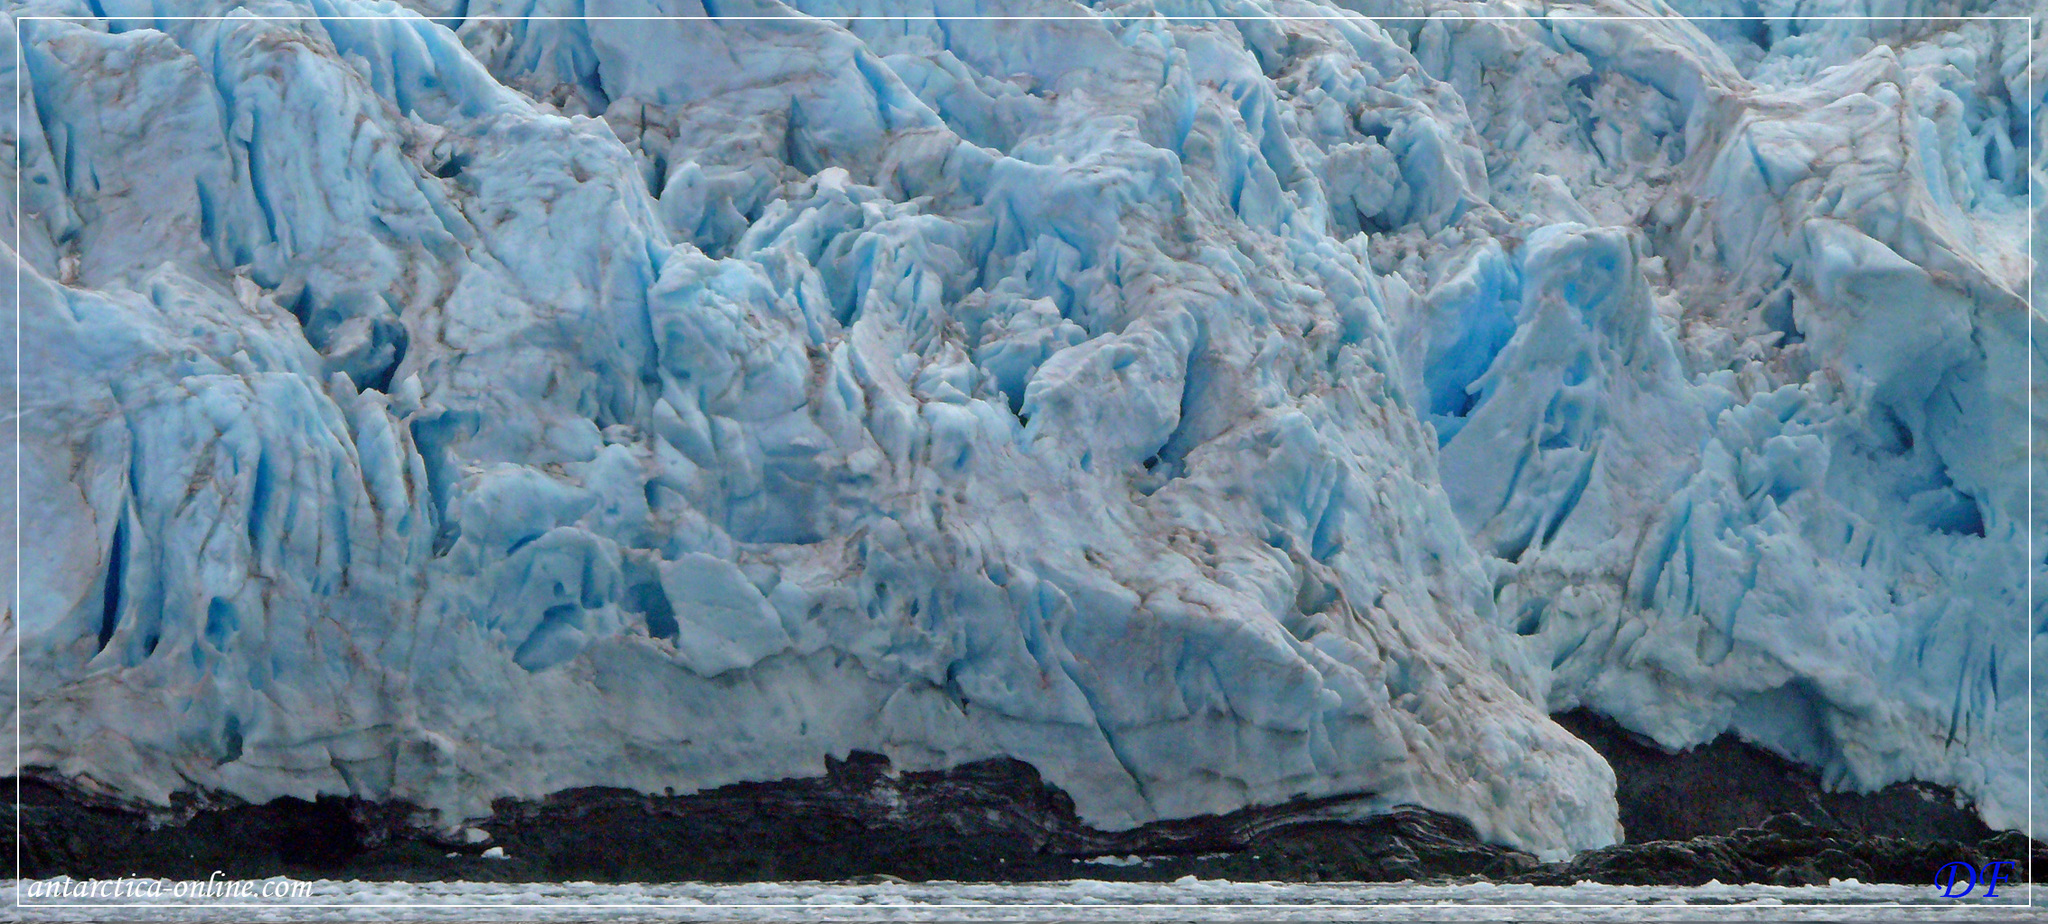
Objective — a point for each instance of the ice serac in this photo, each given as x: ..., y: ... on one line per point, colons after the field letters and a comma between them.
x: 448, y: 404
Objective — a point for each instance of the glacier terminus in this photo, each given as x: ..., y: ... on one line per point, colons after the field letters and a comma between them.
x: 1209, y: 403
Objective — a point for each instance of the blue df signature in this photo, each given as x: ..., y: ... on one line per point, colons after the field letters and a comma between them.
x: 1965, y: 877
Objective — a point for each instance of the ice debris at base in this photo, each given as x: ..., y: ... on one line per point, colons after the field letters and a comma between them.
x: 1073, y: 901
x: 440, y: 407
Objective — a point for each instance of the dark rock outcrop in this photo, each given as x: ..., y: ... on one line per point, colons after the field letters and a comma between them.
x: 991, y: 820
x: 66, y: 831
x: 1785, y: 850
x: 1734, y: 812
x: 1728, y: 784
x: 1726, y: 811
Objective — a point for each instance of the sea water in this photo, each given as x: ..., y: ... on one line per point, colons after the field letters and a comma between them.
x: 1078, y: 900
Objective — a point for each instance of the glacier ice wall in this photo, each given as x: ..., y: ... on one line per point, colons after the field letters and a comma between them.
x: 447, y: 404
x: 1747, y: 447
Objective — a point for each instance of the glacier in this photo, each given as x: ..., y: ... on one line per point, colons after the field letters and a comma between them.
x: 1211, y: 403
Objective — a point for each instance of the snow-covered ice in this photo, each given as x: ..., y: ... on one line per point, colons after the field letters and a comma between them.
x: 441, y: 407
